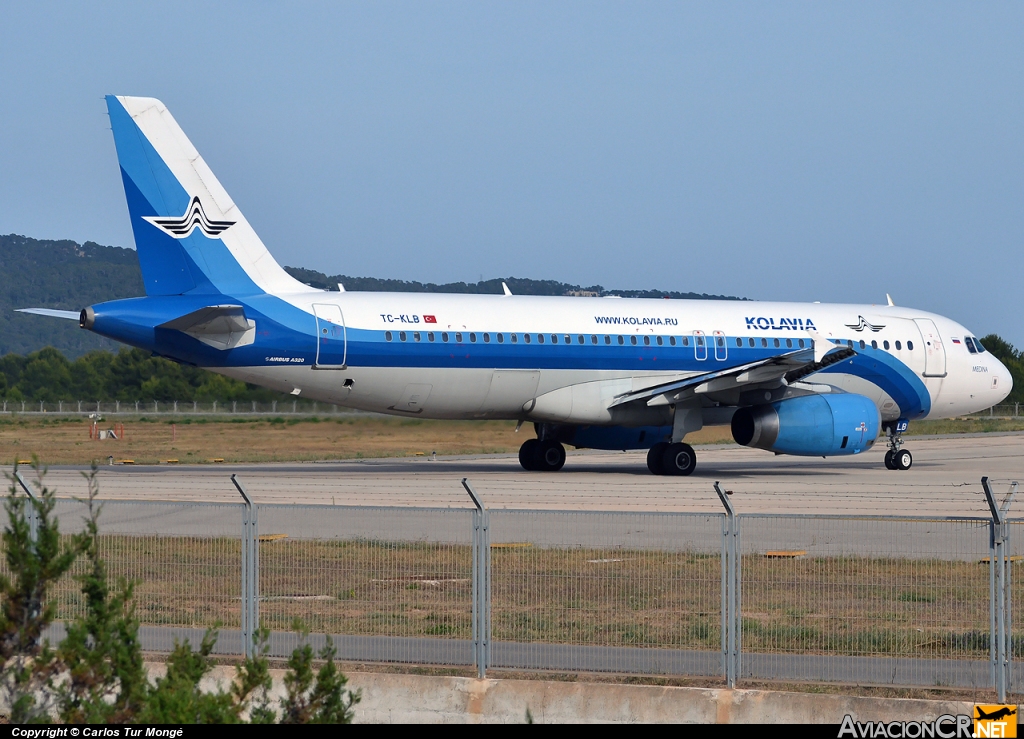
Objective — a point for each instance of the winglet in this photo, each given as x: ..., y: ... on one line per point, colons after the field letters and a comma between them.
x: 504, y: 287
x: 888, y: 299
x: 822, y: 346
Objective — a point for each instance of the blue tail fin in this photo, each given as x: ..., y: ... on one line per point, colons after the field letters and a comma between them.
x: 190, y: 236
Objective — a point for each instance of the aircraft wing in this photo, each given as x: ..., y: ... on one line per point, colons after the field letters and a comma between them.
x: 70, y: 315
x: 787, y: 367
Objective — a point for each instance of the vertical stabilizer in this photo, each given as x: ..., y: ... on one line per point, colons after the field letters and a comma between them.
x: 189, y: 234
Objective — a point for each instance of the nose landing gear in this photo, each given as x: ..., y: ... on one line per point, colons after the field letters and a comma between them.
x: 897, y: 458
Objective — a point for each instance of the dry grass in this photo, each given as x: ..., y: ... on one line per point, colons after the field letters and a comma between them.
x: 149, y: 440
x: 600, y: 597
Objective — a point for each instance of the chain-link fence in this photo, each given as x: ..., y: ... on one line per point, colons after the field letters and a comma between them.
x: 883, y: 600
x: 175, y: 407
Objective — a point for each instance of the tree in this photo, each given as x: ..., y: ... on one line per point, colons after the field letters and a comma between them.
x: 35, y: 562
x: 101, y: 653
x: 319, y: 699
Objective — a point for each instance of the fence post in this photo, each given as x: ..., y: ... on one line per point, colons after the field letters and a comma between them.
x: 250, y: 617
x: 481, y: 582
x: 33, y: 514
x: 731, y: 643
x: 999, y: 589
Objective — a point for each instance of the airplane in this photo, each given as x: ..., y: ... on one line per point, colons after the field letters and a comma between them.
x: 589, y: 372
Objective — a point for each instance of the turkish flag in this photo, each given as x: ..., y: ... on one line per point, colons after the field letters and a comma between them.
x: 429, y: 319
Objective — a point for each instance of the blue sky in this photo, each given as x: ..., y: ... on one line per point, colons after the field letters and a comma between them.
x: 782, y: 151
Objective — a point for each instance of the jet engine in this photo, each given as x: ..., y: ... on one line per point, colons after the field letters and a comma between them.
x: 810, y: 425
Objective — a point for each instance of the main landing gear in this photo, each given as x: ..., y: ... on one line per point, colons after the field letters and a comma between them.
x: 671, y: 459
x: 897, y: 458
x: 538, y: 455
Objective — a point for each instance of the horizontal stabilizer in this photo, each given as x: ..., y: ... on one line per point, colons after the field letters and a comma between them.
x: 219, y: 326
x: 70, y: 315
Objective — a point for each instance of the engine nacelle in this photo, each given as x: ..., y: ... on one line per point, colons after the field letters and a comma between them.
x: 811, y: 425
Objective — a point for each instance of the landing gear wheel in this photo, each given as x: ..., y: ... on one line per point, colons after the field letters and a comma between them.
x: 889, y: 463
x: 679, y: 459
x: 656, y: 458
x: 550, y: 456
x: 529, y: 452
x: 903, y: 459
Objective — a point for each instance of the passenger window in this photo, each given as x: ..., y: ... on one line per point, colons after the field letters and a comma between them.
x: 801, y: 343
x: 647, y: 341
x: 686, y: 341
x: 672, y: 340
x: 720, y: 341
x: 874, y: 344
x: 458, y: 337
x: 401, y: 335
x: 776, y: 343
x: 526, y: 338
x: 540, y: 338
x: 416, y: 336
x: 621, y: 341
x: 501, y: 338
x: 593, y: 338
x: 444, y: 336
x: 885, y: 345
x: 700, y: 341
x: 568, y: 339
x: 899, y: 346
x: 387, y: 336
x: 514, y: 338
x: 607, y: 339
x: 739, y: 342
x: 632, y: 340
x: 580, y: 339
x: 661, y: 342
x: 789, y: 343
x: 750, y: 342
x: 487, y: 338
x: 472, y: 337
x: 849, y: 343
x: 430, y: 336
x: 764, y: 343
x: 554, y: 338
x: 862, y: 344
x: 910, y: 346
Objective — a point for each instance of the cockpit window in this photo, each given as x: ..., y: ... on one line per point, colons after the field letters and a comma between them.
x: 969, y: 342
x: 977, y: 343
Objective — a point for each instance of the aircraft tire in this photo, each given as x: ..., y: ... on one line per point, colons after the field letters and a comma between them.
x: 550, y: 456
x: 903, y: 459
x: 529, y: 455
x: 679, y: 459
x: 656, y: 458
x: 889, y: 463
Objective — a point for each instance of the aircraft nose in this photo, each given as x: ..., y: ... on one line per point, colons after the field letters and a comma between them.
x: 1003, y: 381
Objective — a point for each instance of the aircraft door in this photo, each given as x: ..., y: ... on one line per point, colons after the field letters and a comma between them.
x: 331, y: 339
x: 721, y: 349
x: 700, y: 346
x: 935, y: 353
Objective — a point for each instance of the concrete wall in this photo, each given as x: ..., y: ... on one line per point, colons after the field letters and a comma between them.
x: 421, y: 699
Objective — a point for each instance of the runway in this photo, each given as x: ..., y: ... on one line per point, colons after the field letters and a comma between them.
x: 944, y: 481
